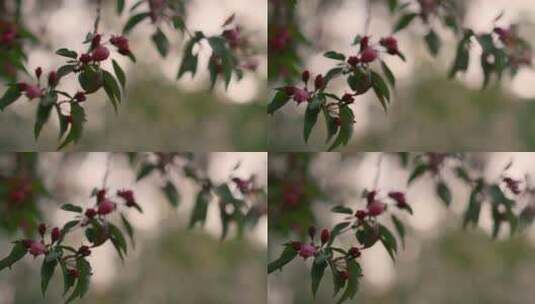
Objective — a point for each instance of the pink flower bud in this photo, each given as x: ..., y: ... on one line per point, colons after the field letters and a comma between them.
x: 100, y: 53
x: 391, y: 45
x: 33, y: 91
x: 368, y: 55
x: 307, y: 251
x: 106, y: 207
x: 300, y: 95
x: 42, y: 229
x: 376, y: 208
x: 90, y: 213
x: 37, y: 248
x: 52, y: 79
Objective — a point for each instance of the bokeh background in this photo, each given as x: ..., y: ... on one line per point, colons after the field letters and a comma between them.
x: 183, y: 114
x: 170, y: 263
x: 441, y: 263
x: 429, y: 112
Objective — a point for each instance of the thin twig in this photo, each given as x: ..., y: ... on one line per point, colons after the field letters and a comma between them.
x: 378, y: 173
x: 97, y: 19
x: 368, y: 17
x: 107, y: 172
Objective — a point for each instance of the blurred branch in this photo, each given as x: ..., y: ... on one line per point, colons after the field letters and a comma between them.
x: 378, y: 171
x: 368, y: 17
x: 99, y: 13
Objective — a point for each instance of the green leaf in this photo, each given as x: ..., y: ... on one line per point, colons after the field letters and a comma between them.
x: 10, y: 96
x: 178, y: 23
x: 68, y: 280
x: 336, y: 231
x: 355, y: 272
x: 120, y: 6
x: 161, y: 42
x: 78, y: 120
x: 68, y: 226
x: 201, y: 208
x: 311, y: 116
x: 172, y: 194
x: 280, y: 99
x: 330, y: 122
x: 90, y: 79
x: 72, y: 208
x: 471, y: 215
x: 338, y: 282
x: 360, y: 81
x: 189, y: 61
x: 389, y: 241
x: 65, y: 70
x: 318, y: 269
x: 112, y: 89
x: 118, y: 240
x: 400, y: 229
x: 119, y: 73
x: 389, y: 75
x: 417, y: 172
x: 128, y: 228
x: 43, y: 112
x: 444, y: 193
x: 17, y: 252
x: 82, y: 285
x: 462, y: 57
x: 381, y: 89
x: 342, y: 209
x: 145, y: 170
x: 219, y: 47
x: 346, y: 127
x: 67, y: 53
x: 133, y: 21
x: 367, y: 235
x: 433, y: 42
x: 287, y: 255
x: 334, y: 55
x: 404, y: 21
x: 47, y: 271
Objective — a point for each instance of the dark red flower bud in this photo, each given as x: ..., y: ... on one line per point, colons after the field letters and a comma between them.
x: 296, y: 245
x: 319, y: 83
x: 399, y: 197
x: 101, y: 195
x: 8, y: 36
x: 38, y: 72
x: 84, y: 251
x: 27, y: 243
x: 370, y: 196
x: 344, y: 275
x: 42, y: 230
x: 325, y: 236
x: 85, y: 58
x: 364, y: 43
x: 95, y: 42
x: 354, y: 252
x: 80, y: 97
x: 348, y: 98
x: 337, y: 121
x: 361, y: 214
x: 100, y: 53
x: 353, y: 61
x: 53, y: 79
x: 106, y: 207
x: 55, y: 234
x: 128, y: 196
x: 391, y: 45
x: 121, y: 43
x: 22, y: 86
x: 90, y: 213
x: 305, y: 76
x: 312, y: 232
